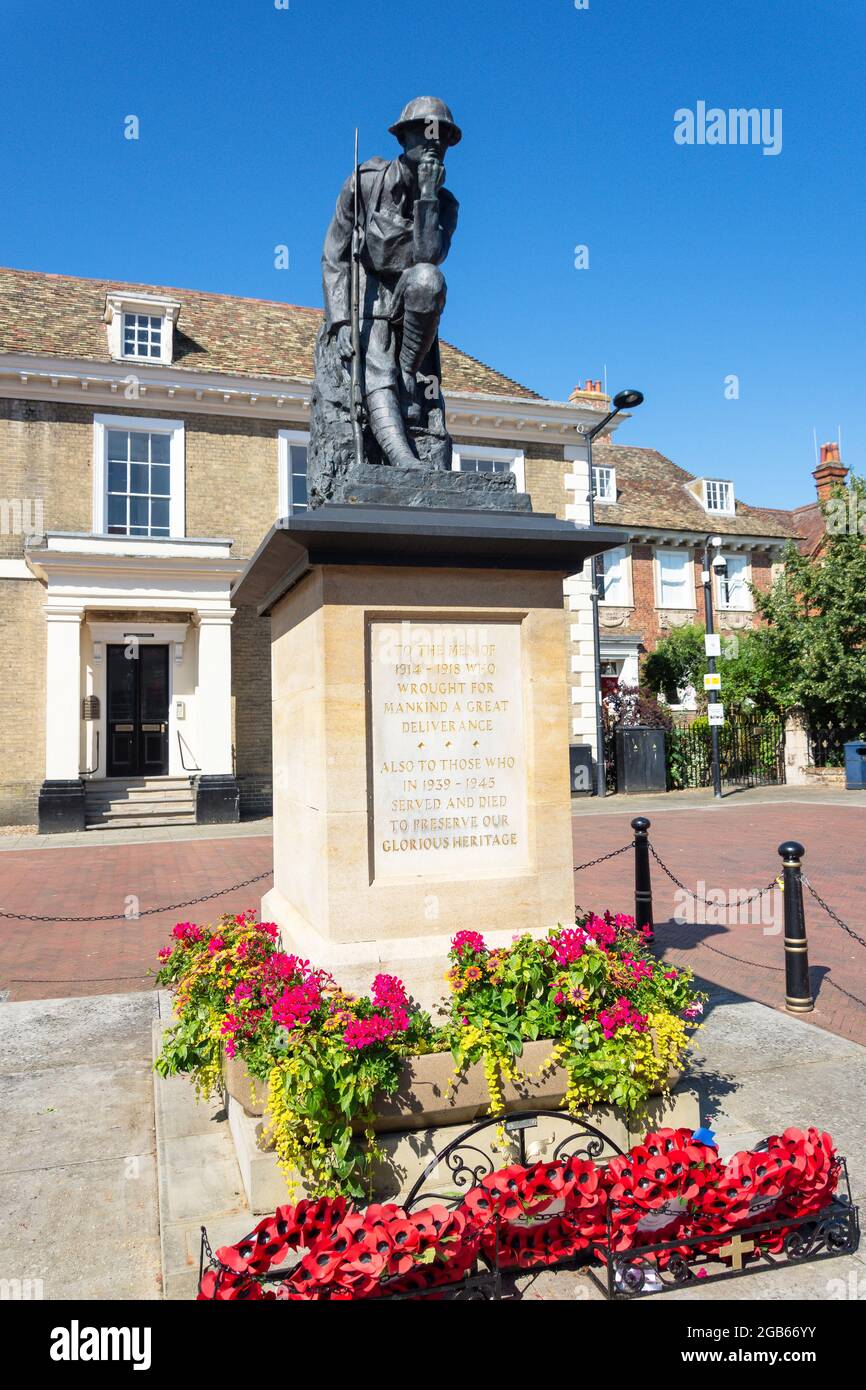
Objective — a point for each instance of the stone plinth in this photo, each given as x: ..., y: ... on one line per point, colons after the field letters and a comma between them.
x: 420, y: 733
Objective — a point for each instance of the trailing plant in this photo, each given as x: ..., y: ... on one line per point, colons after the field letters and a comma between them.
x: 618, y: 1018
x: 323, y: 1053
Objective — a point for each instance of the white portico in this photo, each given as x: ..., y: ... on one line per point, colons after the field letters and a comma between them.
x: 137, y: 668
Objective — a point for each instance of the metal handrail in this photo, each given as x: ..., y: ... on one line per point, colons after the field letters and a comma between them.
x: 89, y: 771
x: 182, y: 743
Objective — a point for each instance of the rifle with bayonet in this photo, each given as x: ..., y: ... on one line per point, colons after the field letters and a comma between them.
x: 357, y: 395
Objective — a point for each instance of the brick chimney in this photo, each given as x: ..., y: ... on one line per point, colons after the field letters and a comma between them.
x: 830, y: 471
x: 592, y: 392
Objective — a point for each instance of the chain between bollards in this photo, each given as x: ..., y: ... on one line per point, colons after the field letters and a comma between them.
x: 643, y: 891
x: 798, y: 991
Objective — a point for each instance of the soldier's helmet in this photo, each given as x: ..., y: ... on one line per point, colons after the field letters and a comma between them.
x: 428, y: 109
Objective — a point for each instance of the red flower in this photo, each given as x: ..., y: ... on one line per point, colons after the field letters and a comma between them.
x: 480, y: 1205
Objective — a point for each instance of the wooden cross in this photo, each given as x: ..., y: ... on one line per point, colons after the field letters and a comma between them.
x: 737, y: 1248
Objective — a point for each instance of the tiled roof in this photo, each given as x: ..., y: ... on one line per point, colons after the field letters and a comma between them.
x: 61, y: 316
x: 652, y: 493
x: 809, y: 521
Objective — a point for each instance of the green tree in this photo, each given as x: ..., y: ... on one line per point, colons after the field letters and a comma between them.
x: 816, y: 617
x: 677, y: 661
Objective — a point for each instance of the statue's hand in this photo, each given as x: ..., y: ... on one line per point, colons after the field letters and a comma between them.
x: 344, y: 341
x: 431, y: 176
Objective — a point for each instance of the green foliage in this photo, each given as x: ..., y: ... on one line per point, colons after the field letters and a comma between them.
x: 816, y: 615
x: 677, y: 661
x: 610, y: 1009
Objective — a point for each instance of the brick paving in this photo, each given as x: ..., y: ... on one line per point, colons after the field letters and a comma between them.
x: 51, y: 960
x: 732, y: 847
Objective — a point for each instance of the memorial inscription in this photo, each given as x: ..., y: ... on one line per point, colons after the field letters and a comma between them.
x: 448, y: 750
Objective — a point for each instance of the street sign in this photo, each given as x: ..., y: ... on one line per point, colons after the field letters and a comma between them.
x: 716, y: 715
x: 712, y: 681
x: 712, y: 644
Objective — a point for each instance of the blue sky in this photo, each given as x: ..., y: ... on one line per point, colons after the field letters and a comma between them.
x: 704, y: 261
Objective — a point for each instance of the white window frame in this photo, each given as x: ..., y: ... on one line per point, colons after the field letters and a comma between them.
x: 689, y: 592
x: 624, y: 551
x: 285, y: 438
x: 119, y: 303
x: 515, y: 457
x: 609, y: 494
x: 728, y: 510
x: 151, y: 425
x: 747, y: 606
x: 155, y: 324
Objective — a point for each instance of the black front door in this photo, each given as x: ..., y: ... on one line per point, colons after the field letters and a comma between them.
x: 137, y: 709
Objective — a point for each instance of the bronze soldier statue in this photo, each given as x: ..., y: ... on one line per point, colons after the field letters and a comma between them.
x: 377, y: 398
x: 406, y: 220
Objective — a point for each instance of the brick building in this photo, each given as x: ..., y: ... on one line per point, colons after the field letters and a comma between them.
x: 149, y: 437
x: 652, y: 585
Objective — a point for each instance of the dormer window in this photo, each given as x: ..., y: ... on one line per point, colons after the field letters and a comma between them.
x: 142, y: 336
x: 718, y: 496
x: 140, y: 326
x: 603, y: 484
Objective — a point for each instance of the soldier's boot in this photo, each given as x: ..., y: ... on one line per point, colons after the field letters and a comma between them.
x: 423, y: 294
x: 386, y: 422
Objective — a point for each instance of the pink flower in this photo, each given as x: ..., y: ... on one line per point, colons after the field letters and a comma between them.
x: 215, y: 944
x: 365, y: 1032
x: 187, y: 932
x: 601, y: 930
x: 568, y: 945
x: 243, y: 990
x: 295, y: 1007
x: 621, y: 1016
x: 471, y: 939
x: 165, y: 953
x: 388, y: 992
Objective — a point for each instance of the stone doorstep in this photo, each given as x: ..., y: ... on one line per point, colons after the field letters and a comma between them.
x: 408, y: 1152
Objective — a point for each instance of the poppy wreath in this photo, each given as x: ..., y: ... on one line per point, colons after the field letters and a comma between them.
x: 794, y: 1177
x: 347, y: 1253
x: 671, y: 1187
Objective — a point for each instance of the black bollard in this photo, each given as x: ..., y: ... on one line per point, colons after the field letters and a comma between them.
x: 798, y: 992
x: 643, y: 889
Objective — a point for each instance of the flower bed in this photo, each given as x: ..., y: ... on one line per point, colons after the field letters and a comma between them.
x: 673, y: 1187
x: 612, y: 1019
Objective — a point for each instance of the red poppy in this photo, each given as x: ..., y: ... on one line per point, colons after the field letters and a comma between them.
x: 406, y: 1242
x: 507, y: 1181
x: 480, y: 1205
x: 322, y: 1263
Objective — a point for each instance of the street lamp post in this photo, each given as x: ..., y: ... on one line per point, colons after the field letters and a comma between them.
x: 623, y: 400
x: 718, y: 564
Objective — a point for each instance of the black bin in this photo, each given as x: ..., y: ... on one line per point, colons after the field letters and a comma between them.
x: 640, y: 760
x: 581, y: 769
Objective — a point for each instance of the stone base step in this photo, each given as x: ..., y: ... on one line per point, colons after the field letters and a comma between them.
x: 143, y: 797
x: 116, y: 803
x: 121, y: 785
x: 135, y: 821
